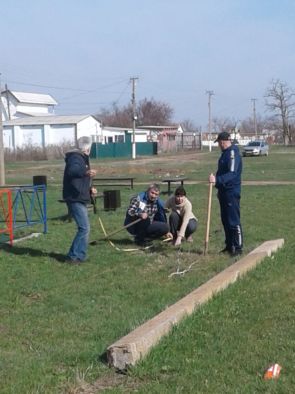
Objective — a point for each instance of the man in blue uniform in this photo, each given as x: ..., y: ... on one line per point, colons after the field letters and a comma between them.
x: 228, y: 183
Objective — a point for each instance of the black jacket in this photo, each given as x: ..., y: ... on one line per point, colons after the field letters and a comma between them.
x: 76, y: 184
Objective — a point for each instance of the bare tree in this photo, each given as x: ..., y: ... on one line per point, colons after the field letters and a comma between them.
x: 247, y: 125
x: 189, y: 126
x: 116, y: 117
x: 149, y: 112
x: 152, y: 112
x: 280, y: 101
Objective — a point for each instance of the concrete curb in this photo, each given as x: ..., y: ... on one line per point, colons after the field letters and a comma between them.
x: 129, y: 349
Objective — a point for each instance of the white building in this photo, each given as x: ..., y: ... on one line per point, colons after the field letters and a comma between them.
x: 21, y: 104
x: 42, y: 131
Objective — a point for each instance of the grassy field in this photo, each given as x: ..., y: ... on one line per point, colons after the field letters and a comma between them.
x: 57, y: 320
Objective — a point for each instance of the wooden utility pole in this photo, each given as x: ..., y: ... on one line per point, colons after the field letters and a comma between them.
x: 210, y: 94
x: 2, y: 164
x: 134, y: 117
x: 254, y: 116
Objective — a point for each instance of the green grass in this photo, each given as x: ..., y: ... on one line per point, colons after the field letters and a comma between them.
x: 57, y: 320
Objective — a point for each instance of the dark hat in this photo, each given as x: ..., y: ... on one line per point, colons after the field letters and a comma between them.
x: 223, y: 136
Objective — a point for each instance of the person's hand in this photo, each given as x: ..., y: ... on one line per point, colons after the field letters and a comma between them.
x: 91, y: 173
x: 144, y: 215
x: 212, y: 178
x: 178, y: 241
x: 168, y: 235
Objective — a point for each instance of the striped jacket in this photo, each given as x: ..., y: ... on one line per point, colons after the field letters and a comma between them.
x: 228, y: 176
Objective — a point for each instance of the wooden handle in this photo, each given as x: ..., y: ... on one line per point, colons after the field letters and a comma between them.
x: 208, y: 218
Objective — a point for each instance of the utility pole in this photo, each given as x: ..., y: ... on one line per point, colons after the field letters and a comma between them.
x: 254, y: 116
x: 134, y: 117
x: 210, y: 94
x: 2, y: 164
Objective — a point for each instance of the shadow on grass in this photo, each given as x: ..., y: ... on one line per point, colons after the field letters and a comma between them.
x: 19, y: 251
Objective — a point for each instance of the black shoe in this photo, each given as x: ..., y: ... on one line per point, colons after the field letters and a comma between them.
x: 237, y: 252
x: 225, y: 250
x: 143, y: 243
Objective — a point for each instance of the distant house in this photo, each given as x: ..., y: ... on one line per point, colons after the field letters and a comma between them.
x: 42, y: 131
x: 117, y: 134
x: 165, y: 136
x: 21, y: 104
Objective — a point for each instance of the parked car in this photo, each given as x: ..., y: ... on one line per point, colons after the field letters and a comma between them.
x: 255, y: 148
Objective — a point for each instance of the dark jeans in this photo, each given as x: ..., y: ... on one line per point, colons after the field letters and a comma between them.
x: 175, y: 222
x: 145, y: 229
x: 230, y: 216
x: 79, y: 245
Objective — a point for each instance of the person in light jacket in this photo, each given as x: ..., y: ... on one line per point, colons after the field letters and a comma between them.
x: 182, y: 221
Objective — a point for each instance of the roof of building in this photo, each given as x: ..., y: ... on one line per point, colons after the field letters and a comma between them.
x: 49, y: 119
x: 33, y: 98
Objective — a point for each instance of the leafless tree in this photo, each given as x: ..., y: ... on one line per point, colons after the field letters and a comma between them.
x: 280, y: 101
x: 223, y: 124
x: 149, y: 112
x: 116, y: 117
x: 247, y: 125
x: 189, y: 126
x: 152, y: 112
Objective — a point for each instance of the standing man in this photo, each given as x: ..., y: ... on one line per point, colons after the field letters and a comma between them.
x: 147, y: 207
x: 228, y: 183
x: 77, y: 194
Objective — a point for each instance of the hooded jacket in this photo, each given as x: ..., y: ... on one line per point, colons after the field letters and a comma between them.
x: 76, y: 184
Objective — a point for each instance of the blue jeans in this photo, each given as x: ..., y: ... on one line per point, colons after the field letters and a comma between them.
x: 80, y: 243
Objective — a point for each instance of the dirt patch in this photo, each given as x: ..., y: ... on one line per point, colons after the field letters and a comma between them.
x: 113, y: 380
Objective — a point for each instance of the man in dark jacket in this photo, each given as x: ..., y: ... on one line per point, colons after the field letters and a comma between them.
x: 150, y: 209
x: 77, y: 194
x: 228, y: 183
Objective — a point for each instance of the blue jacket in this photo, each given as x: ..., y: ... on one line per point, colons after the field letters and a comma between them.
x: 76, y: 184
x: 228, y: 176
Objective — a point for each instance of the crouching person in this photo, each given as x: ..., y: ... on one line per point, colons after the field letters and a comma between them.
x: 147, y: 207
x: 182, y: 221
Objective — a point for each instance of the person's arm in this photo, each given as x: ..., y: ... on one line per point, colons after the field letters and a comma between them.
x: 76, y: 167
x: 137, y: 208
x: 187, y: 215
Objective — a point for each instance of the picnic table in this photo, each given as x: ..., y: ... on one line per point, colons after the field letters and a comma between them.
x: 176, y: 179
x: 114, y: 181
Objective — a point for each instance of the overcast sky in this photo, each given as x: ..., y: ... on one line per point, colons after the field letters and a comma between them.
x: 83, y: 53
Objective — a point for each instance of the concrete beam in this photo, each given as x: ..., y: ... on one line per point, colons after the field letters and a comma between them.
x: 129, y: 349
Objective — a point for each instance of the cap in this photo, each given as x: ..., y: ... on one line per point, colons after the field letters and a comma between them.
x: 223, y: 136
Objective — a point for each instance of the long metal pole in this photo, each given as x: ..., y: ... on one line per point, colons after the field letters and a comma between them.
x: 2, y: 163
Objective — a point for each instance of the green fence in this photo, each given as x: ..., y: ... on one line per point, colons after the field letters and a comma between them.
x: 122, y: 149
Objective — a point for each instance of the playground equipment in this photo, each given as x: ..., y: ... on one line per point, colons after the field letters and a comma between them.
x: 22, y: 206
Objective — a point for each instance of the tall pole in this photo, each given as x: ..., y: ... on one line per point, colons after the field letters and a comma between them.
x: 2, y: 164
x: 210, y: 94
x: 133, y: 80
x: 254, y: 116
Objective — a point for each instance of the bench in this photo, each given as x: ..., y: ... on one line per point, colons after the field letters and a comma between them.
x: 113, y: 181
x: 173, y: 180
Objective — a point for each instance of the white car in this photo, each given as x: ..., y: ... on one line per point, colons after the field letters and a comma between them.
x: 255, y: 148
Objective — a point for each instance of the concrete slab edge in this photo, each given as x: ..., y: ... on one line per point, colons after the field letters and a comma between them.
x: 130, y: 348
